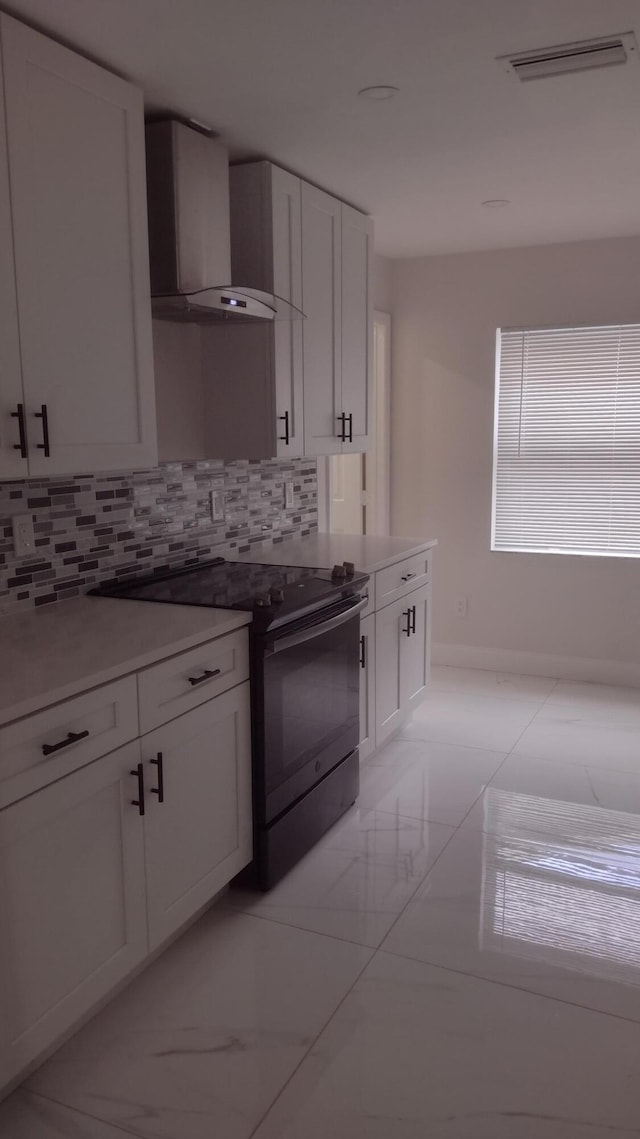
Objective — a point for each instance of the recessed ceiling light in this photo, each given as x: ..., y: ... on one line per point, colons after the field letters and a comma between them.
x: 378, y: 92
x: 495, y: 203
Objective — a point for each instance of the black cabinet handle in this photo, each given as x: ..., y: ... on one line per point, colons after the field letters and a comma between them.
x: 43, y: 415
x: 22, y: 445
x: 413, y: 618
x: 159, y: 790
x: 350, y: 418
x: 407, y: 576
x: 285, y: 438
x: 363, y: 652
x: 407, y: 613
x: 72, y: 738
x: 343, y: 431
x: 139, y: 802
x: 207, y: 675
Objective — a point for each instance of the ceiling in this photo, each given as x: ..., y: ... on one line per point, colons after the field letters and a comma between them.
x: 279, y: 79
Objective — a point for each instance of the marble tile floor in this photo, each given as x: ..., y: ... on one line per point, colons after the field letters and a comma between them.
x: 459, y: 957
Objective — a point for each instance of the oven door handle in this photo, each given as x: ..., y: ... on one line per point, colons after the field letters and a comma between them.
x: 278, y: 646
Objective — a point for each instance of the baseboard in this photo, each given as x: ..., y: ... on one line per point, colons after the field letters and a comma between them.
x: 538, y: 664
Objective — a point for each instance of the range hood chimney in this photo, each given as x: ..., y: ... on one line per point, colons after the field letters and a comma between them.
x: 189, y: 232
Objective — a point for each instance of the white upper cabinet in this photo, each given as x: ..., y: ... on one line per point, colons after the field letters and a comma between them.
x: 321, y: 303
x: 357, y: 327
x: 75, y: 140
x: 253, y: 371
x: 337, y: 255
x: 13, y: 451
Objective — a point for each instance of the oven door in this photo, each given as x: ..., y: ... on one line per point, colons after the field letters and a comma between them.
x: 308, y: 718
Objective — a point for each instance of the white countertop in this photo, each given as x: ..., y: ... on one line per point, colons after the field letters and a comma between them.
x: 368, y: 552
x: 75, y: 645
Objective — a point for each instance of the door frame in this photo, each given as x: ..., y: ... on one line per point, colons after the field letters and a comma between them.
x: 381, y: 426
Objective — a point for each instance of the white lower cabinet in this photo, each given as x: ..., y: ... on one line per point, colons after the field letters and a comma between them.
x: 402, y: 659
x: 197, y: 824
x: 100, y: 866
x: 367, y: 685
x: 72, y: 902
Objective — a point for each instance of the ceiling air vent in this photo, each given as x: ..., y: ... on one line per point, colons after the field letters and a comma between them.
x: 566, y: 58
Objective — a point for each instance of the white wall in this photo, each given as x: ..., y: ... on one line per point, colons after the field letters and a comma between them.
x: 382, y: 268
x: 582, y: 611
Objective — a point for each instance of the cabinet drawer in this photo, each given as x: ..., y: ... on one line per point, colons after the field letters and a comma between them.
x: 398, y: 579
x: 38, y: 749
x: 174, y: 686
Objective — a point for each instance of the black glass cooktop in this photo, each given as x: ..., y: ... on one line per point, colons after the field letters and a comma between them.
x: 275, y: 594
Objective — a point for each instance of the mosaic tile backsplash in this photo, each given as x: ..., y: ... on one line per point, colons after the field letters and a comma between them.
x: 93, y: 527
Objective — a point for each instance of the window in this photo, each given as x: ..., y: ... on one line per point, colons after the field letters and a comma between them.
x: 567, y: 441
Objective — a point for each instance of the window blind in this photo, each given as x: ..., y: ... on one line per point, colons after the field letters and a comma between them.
x: 567, y: 440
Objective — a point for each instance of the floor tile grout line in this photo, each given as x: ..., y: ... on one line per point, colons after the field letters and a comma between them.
x: 302, y: 928
x: 78, y: 1111
x: 312, y: 1045
x: 507, y: 985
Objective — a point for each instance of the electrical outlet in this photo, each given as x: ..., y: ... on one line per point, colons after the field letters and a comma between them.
x: 460, y: 607
x: 288, y: 495
x: 217, y: 506
x: 24, y: 539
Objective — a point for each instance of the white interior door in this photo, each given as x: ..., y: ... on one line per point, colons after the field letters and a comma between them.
x: 78, y: 190
x: 347, y: 495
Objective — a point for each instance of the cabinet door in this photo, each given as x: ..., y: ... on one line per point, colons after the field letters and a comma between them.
x: 72, y: 908
x: 287, y: 334
x: 415, y: 650
x: 200, y: 835
x: 367, y: 686
x: 357, y: 326
x: 76, y: 164
x: 12, y: 463
x: 321, y: 334
x: 391, y: 626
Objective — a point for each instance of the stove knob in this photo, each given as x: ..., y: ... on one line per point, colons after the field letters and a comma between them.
x: 349, y: 568
x: 338, y: 572
x: 276, y: 594
x: 262, y: 600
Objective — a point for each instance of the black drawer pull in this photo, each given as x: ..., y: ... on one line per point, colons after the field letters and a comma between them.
x: 413, y: 618
x: 138, y: 771
x: 22, y: 445
x: 43, y: 415
x: 343, y: 431
x: 285, y: 438
x: 72, y: 738
x: 408, y: 576
x: 159, y: 790
x: 350, y: 418
x: 363, y: 651
x: 208, y: 674
x: 407, y: 613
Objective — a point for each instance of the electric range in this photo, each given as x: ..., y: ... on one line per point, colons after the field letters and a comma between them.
x: 305, y: 682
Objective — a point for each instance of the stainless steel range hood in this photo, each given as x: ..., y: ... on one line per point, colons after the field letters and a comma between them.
x: 189, y: 242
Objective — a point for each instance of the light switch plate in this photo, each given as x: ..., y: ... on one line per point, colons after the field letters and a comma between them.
x: 24, y: 539
x: 289, y: 500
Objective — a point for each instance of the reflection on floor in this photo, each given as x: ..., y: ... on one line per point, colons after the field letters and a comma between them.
x: 459, y: 957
